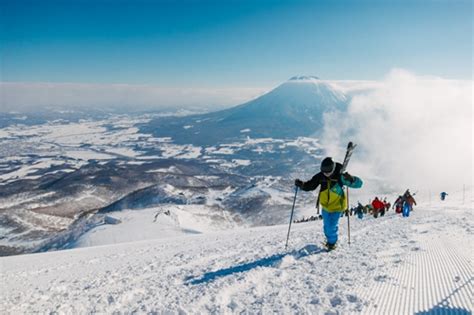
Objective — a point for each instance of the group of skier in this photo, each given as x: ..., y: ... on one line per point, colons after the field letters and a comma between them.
x: 404, y: 204
x: 331, y: 179
x: 379, y: 207
x: 374, y: 208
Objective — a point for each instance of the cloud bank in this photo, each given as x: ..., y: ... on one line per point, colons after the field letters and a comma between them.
x: 27, y: 97
x: 412, y: 131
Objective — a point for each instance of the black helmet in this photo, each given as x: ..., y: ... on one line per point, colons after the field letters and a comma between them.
x: 328, y: 165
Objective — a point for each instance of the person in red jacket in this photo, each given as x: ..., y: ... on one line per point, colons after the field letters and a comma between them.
x: 378, y: 206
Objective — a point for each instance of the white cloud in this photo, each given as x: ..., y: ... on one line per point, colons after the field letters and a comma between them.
x: 34, y: 96
x: 354, y: 87
x: 412, y: 131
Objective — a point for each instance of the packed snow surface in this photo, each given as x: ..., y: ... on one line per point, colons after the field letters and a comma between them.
x: 158, y: 222
x: 394, y: 265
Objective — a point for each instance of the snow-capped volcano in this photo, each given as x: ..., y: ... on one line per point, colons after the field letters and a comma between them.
x: 299, y: 95
x: 294, y: 108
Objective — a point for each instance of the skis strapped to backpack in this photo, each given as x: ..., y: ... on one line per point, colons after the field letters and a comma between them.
x: 350, y: 149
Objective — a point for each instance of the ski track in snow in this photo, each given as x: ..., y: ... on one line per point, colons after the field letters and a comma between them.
x: 419, y: 265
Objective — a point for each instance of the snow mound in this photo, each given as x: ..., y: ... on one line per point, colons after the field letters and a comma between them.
x: 165, y: 221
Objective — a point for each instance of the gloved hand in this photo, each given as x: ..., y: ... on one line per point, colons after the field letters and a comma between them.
x: 348, y: 177
x: 298, y: 183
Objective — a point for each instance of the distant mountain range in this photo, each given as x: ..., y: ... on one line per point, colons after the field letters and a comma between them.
x: 294, y: 108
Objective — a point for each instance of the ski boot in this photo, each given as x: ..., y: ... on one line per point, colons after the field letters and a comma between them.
x: 330, y: 247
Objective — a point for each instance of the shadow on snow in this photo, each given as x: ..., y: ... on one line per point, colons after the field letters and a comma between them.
x: 443, y: 306
x: 270, y: 261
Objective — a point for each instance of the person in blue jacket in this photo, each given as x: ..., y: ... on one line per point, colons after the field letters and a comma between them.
x: 443, y: 195
x: 359, y: 210
x: 408, y: 202
x: 331, y: 195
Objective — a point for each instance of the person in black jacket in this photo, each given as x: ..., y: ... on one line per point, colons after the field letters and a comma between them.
x: 331, y: 195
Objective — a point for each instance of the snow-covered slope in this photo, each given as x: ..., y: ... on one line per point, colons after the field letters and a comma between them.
x: 421, y: 264
x: 166, y: 221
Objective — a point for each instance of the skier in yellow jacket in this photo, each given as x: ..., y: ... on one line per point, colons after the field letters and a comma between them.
x: 331, y: 195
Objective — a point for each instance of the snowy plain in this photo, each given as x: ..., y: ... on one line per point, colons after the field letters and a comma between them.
x: 394, y: 265
x: 29, y: 151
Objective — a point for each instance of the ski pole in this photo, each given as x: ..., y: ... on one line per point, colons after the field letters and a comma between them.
x: 348, y: 219
x: 317, y: 203
x: 291, y: 217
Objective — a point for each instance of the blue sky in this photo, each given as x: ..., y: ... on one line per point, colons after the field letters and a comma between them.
x: 231, y: 43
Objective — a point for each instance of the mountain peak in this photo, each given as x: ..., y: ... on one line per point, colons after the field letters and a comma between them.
x: 304, y: 78
x: 296, y: 107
